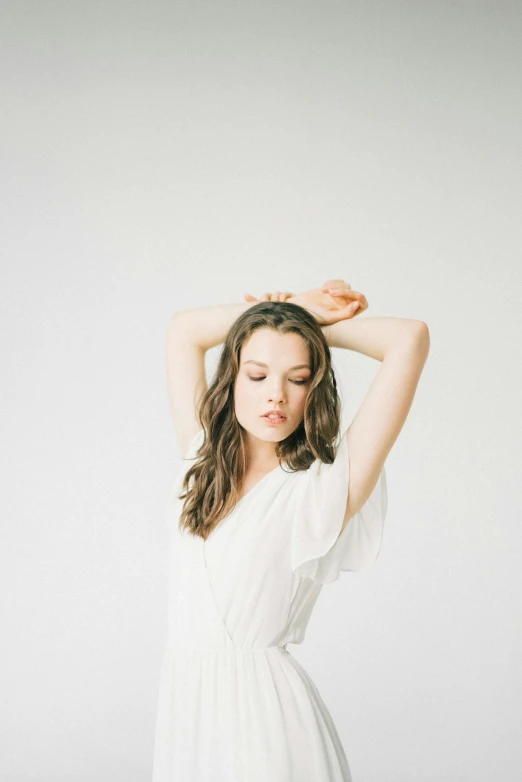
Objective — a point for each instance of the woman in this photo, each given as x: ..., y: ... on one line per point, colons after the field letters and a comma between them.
x: 264, y: 512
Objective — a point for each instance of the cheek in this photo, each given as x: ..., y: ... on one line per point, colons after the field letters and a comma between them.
x: 300, y: 399
x: 243, y: 394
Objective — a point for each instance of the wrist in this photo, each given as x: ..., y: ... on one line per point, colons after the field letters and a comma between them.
x: 325, y: 328
x: 207, y: 327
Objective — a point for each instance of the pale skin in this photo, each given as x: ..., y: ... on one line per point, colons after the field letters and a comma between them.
x: 258, y: 389
x: 400, y: 344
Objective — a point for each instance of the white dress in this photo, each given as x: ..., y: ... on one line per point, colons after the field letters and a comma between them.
x: 234, y: 705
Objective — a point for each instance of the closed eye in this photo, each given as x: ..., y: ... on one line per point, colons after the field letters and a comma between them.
x: 297, y: 382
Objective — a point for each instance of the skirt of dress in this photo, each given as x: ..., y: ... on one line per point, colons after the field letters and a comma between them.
x: 243, y: 715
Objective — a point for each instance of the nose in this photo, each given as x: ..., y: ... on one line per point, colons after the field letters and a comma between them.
x: 277, y: 397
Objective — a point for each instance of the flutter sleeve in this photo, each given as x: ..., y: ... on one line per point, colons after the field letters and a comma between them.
x: 188, y: 460
x: 318, y: 551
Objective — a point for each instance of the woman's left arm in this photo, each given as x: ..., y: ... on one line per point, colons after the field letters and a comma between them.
x: 377, y: 336
x: 402, y: 345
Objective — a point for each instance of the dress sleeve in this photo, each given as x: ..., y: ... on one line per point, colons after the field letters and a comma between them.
x: 318, y: 551
x: 187, y: 461
x: 174, y: 503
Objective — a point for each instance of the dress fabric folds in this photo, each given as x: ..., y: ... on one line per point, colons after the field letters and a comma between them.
x: 234, y: 705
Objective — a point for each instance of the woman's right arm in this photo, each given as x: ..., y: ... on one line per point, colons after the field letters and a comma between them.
x: 207, y: 327
x: 190, y: 333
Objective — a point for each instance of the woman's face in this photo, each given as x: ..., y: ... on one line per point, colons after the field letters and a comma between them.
x: 274, y: 372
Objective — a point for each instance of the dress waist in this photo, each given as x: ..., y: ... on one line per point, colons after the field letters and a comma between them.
x: 179, y: 646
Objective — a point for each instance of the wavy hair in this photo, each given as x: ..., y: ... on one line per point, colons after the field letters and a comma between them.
x: 211, y: 485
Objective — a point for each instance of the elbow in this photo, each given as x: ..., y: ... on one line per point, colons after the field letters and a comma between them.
x: 173, y: 320
x: 421, y: 329
x: 421, y: 335
x: 416, y: 336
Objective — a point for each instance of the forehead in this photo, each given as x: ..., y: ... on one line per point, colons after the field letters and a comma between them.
x: 266, y: 348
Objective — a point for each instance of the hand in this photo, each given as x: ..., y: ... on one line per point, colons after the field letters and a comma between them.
x: 346, y: 298
x: 333, y: 302
x: 277, y: 296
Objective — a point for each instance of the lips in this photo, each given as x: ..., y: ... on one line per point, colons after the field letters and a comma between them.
x: 274, y: 416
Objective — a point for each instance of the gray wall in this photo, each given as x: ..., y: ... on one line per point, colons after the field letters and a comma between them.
x: 158, y: 156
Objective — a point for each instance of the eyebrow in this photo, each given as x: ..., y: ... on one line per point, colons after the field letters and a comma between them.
x: 260, y: 363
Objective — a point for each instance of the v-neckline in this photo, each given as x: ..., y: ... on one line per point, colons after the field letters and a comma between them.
x: 265, y: 476
x: 238, y: 503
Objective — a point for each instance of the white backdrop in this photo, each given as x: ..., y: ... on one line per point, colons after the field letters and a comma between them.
x: 159, y: 156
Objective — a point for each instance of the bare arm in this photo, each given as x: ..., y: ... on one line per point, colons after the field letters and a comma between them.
x: 403, y: 347
x: 190, y: 333
x: 206, y: 327
x: 374, y: 336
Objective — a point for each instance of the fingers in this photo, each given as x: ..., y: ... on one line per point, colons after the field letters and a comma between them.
x: 335, y: 284
x: 270, y: 296
x: 340, y: 292
x: 277, y: 296
x: 281, y: 296
x: 348, y: 312
x: 360, y: 305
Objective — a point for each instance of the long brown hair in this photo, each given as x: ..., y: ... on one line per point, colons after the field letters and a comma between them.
x: 211, y: 485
